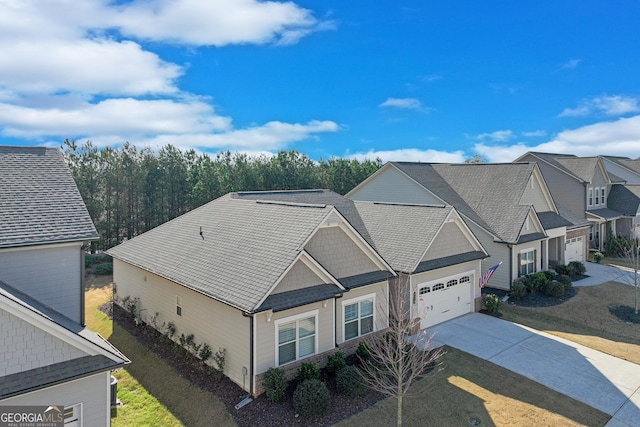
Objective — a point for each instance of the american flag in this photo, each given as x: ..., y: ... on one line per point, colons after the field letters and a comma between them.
x: 487, y: 275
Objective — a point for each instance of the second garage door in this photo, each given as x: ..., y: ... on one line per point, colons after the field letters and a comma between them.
x: 444, y: 299
x: 574, y: 250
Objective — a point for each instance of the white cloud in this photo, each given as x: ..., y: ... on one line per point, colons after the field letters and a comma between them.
x: 614, y: 105
x: 499, y: 136
x: 571, y: 64
x: 404, y: 104
x: 534, y: 133
x: 410, y: 155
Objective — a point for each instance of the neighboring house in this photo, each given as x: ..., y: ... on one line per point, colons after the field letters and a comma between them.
x: 430, y: 245
x: 48, y: 357
x: 273, y: 283
x: 508, y: 208
x: 582, y: 185
x: 625, y: 197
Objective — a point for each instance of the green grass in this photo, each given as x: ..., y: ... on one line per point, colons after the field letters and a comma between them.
x: 152, y: 393
x: 472, y: 388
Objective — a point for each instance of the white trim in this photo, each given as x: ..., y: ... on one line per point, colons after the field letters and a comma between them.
x: 79, y: 408
x: 179, y: 305
x: 42, y: 246
x: 357, y: 300
x: 295, y: 318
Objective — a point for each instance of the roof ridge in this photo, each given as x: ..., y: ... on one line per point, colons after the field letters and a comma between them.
x: 292, y: 204
x: 421, y: 205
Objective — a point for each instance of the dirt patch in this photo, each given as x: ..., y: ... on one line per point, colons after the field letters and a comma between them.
x: 625, y: 314
x: 261, y: 412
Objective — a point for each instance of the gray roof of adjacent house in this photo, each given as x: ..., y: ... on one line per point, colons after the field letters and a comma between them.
x: 605, y: 213
x: 551, y: 220
x: 47, y: 376
x: 625, y: 199
x: 39, y: 200
x: 488, y: 194
x: 230, y: 249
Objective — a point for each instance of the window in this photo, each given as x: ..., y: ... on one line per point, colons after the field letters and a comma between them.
x: 179, y: 305
x: 72, y: 415
x: 603, y: 200
x: 597, y: 196
x: 425, y: 290
x: 451, y: 283
x: 590, y: 197
x: 358, y: 317
x: 438, y: 286
x: 465, y: 279
x: 527, y: 262
x: 296, y: 337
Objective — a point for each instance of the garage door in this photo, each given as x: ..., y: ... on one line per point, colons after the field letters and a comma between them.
x: 444, y: 299
x: 574, y: 250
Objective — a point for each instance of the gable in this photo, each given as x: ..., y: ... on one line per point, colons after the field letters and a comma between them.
x: 537, y: 194
x: 298, y: 277
x: 450, y: 241
x: 531, y: 225
x: 599, y: 178
x: 391, y: 185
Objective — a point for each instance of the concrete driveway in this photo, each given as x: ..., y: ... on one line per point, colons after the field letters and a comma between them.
x: 604, y: 382
x: 600, y: 273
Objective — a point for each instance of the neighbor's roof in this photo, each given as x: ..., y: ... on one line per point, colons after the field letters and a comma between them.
x: 580, y: 168
x: 39, y: 200
x: 625, y: 199
x: 488, y: 194
x: 244, y: 248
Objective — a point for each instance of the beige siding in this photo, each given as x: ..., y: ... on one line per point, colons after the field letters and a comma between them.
x: 379, y: 290
x: 450, y: 241
x: 266, y: 332
x: 92, y: 392
x: 300, y: 276
x: 51, y: 274
x: 391, y: 185
x: 336, y: 252
x: 534, y: 195
x: 212, y: 322
x: 526, y: 247
x: 25, y: 347
x: 501, y: 279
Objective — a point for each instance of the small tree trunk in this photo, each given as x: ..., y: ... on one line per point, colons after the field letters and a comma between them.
x: 399, y: 414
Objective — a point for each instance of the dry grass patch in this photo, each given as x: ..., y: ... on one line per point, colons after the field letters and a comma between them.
x: 472, y: 388
x: 586, y: 319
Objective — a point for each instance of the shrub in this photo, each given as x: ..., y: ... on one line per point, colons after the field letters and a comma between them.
x: 349, y: 382
x: 518, y: 289
x: 170, y: 330
x: 308, y: 371
x: 220, y: 358
x: 103, y: 269
x: 578, y: 268
x: 555, y: 289
x: 566, y: 282
x: 335, y: 362
x: 363, y: 352
x: 550, y: 274
x: 536, y: 281
x: 597, y: 257
x: 274, y: 383
x: 205, y: 352
x: 491, y: 302
x: 564, y: 269
x: 311, y: 398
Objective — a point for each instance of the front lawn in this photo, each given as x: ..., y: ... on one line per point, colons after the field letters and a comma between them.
x: 586, y: 319
x: 473, y: 391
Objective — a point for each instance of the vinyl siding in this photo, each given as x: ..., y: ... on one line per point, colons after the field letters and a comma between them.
x: 92, y: 392
x: 50, y: 274
x: 25, y: 347
x: 212, y: 322
x: 450, y: 241
x: 266, y: 333
x: 526, y: 247
x: 336, y: 252
x: 391, y: 185
x: 624, y: 173
x: 534, y: 195
x: 381, y: 309
x: 300, y: 276
x: 501, y: 279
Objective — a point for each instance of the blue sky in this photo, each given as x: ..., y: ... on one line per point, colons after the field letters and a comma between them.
x: 400, y: 80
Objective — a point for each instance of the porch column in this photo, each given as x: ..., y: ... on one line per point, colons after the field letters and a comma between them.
x: 545, y: 258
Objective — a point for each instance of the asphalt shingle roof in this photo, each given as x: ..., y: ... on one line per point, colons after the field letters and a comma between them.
x: 39, y: 200
x: 625, y: 199
x: 488, y: 194
x: 551, y: 220
x: 434, y: 264
x: 605, y: 213
x: 245, y: 247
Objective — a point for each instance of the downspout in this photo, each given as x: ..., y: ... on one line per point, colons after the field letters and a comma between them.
x: 510, y: 266
x: 82, y: 287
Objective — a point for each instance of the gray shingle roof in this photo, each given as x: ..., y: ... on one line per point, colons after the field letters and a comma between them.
x: 551, y: 220
x: 299, y: 297
x: 625, y: 199
x: 246, y: 246
x: 582, y: 167
x: 39, y: 200
x: 605, y: 213
x: 488, y: 194
x: 434, y: 264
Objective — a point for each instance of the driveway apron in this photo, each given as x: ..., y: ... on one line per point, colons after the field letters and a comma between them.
x: 604, y: 382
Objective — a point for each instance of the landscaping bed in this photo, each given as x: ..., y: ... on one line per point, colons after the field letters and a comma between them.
x: 261, y: 411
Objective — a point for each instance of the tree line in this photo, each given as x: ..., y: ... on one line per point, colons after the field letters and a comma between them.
x: 128, y: 190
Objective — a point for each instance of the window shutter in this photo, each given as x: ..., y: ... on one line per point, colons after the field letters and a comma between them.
x: 519, y: 265
x: 535, y: 260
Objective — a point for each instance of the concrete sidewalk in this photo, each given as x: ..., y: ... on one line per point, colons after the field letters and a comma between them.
x: 600, y: 273
x: 604, y: 382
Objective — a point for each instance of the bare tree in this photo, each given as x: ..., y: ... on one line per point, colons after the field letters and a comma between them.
x: 397, y: 356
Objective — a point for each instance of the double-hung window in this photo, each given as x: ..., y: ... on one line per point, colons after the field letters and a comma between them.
x: 358, y: 316
x: 527, y: 262
x: 590, y: 197
x: 296, y: 337
x: 597, y: 196
x: 603, y: 200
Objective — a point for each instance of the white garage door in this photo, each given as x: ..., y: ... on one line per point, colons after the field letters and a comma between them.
x: 574, y: 250
x: 444, y: 299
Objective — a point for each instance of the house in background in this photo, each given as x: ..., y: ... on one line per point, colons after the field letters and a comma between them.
x: 274, y: 283
x: 508, y: 207
x: 582, y: 185
x: 625, y: 197
x: 429, y: 246
x: 48, y: 357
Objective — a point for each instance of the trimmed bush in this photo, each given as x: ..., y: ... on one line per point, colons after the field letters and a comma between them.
x: 536, y: 281
x: 349, y: 382
x: 566, y: 282
x: 555, y: 289
x: 518, y: 289
x: 564, y: 270
x: 274, y: 383
x: 308, y: 371
x: 311, y: 398
x: 335, y: 362
x: 550, y: 274
x: 491, y: 302
x: 597, y: 257
x: 578, y: 268
x: 363, y: 352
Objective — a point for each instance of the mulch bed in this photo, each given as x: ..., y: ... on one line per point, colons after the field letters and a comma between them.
x: 261, y: 412
x: 625, y: 314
